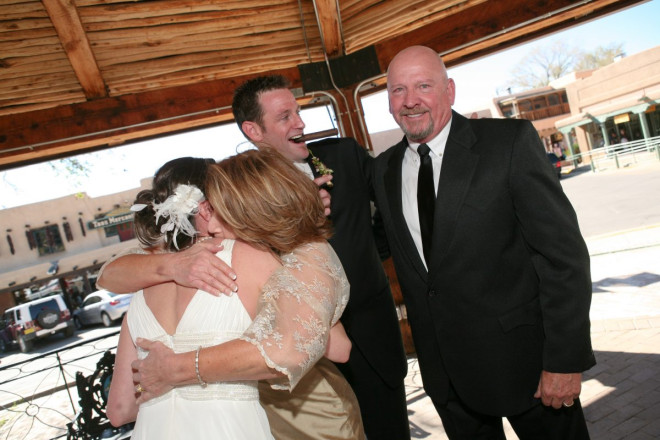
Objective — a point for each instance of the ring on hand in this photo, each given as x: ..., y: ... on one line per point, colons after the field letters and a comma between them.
x: 138, y: 388
x: 568, y: 405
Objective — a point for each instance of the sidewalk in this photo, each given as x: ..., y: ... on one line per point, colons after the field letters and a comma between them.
x: 621, y: 394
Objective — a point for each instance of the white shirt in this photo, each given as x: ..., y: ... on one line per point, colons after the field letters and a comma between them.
x: 305, y: 168
x: 409, y: 173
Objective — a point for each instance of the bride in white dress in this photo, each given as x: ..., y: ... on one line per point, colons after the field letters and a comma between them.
x: 292, y: 291
x: 223, y: 410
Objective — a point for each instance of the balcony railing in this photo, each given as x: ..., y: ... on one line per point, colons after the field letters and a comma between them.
x: 543, y: 113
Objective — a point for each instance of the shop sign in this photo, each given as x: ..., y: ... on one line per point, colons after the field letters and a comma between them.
x: 622, y: 118
x: 110, y: 221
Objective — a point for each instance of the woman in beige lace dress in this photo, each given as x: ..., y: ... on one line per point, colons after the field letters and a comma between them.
x: 294, y: 289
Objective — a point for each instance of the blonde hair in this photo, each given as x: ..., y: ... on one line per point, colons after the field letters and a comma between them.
x: 267, y: 201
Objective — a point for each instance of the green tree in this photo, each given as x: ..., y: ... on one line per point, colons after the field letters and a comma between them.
x: 71, y: 166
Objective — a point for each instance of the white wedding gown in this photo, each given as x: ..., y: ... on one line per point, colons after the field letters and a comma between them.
x: 227, y: 410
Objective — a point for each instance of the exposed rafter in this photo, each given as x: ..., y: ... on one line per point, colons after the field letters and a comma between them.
x: 64, y: 15
x: 328, y: 19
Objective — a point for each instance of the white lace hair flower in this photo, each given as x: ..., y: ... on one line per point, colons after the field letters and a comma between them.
x: 177, y: 208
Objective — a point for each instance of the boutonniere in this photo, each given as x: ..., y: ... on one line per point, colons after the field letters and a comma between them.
x: 320, y: 167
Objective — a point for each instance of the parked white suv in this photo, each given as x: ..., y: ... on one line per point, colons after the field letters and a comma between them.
x: 36, y: 319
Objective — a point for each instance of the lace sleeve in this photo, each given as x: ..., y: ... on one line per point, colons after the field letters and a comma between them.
x: 128, y: 251
x: 298, y: 304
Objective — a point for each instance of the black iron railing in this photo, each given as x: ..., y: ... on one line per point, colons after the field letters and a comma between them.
x: 39, y: 396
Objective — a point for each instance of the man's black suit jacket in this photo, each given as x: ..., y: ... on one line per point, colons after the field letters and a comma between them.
x: 370, y: 318
x: 509, y: 290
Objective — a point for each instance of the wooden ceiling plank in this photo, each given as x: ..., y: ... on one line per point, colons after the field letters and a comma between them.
x: 67, y: 23
x: 177, y: 29
x: 176, y: 79
x: 34, y: 46
x: 16, y: 12
x: 48, y: 97
x: 195, y: 10
x: 359, y: 33
x: 285, y: 43
x: 16, y: 29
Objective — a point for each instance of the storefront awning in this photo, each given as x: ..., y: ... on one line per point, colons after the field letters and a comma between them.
x: 636, y: 103
x: 567, y: 124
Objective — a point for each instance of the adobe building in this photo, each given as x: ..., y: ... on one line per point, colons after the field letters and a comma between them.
x: 63, y: 242
x: 620, y: 98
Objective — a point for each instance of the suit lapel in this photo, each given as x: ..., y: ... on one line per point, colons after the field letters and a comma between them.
x: 392, y: 178
x: 458, y: 166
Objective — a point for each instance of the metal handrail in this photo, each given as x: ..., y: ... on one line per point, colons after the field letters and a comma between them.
x: 618, y: 155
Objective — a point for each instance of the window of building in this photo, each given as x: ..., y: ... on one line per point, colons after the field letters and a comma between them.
x: 82, y: 226
x: 48, y: 239
x: 10, y: 242
x: 507, y: 110
x: 67, y: 231
x: 539, y: 103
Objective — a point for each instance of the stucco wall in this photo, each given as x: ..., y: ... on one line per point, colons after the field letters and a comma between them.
x: 632, y: 77
x: 72, y: 207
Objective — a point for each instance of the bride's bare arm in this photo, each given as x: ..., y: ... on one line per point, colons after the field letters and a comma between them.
x: 122, y: 407
x: 196, y: 267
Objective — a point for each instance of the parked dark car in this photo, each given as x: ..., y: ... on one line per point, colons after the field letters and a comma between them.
x: 24, y: 323
x: 556, y: 163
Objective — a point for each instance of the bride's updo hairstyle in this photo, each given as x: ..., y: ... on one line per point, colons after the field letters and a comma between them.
x: 267, y: 201
x: 185, y: 170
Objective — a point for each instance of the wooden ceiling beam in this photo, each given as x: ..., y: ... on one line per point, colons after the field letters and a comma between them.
x: 69, y: 28
x: 74, y: 129
x: 328, y: 20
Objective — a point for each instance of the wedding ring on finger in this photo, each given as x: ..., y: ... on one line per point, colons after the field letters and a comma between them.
x: 568, y: 405
x: 138, y: 388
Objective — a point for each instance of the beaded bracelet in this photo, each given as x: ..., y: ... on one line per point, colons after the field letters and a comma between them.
x: 199, y: 377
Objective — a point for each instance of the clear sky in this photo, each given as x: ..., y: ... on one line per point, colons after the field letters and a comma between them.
x: 477, y: 83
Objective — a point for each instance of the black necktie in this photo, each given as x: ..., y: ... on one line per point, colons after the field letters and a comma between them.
x: 425, y: 199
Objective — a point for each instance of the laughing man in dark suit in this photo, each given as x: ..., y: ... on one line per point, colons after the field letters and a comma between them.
x: 268, y: 115
x: 499, y: 307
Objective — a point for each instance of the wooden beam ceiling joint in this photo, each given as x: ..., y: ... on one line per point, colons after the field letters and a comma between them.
x: 65, y: 19
x: 327, y: 17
